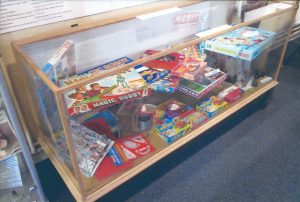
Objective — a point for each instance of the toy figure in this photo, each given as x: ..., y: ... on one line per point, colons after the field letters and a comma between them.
x: 121, y: 80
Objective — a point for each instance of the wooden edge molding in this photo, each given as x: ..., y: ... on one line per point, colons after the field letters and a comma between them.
x: 63, y: 170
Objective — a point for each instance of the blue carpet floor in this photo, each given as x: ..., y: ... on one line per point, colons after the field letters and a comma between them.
x: 252, y: 156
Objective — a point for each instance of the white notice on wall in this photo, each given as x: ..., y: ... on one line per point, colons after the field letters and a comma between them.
x: 18, y: 14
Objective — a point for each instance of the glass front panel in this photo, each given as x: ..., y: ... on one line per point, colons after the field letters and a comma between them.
x: 46, y: 121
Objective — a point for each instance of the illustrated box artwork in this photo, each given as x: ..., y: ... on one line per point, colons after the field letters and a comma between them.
x: 192, y: 65
x: 244, y: 43
x: 209, y: 79
x: 167, y: 62
x: 212, y: 106
x: 106, y: 92
x: 174, y: 119
x: 151, y: 75
x: 166, y: 84
x: 96, y: 70
x: 62, y: 63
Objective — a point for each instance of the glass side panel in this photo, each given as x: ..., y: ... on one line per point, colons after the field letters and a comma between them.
x: 45, y: 120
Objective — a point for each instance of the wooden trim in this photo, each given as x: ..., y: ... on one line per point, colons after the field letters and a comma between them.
x: 95, y: 194
x: 170, y: 50
x: 62, y: 169
x: 17, y: 107
x: 69, y: 139
x: 111, y: 17
x: 18, y: 52
x: 286, y: 43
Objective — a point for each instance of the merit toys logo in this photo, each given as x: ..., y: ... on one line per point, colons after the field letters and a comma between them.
x: 187, y: 18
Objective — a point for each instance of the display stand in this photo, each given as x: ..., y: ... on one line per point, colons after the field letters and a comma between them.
x: 33, y: 53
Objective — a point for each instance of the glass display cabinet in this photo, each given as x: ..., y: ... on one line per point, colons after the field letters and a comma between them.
x: 114, y: 96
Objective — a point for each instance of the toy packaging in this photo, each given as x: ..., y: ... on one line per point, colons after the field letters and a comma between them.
x: 189, y: 70
x: 231, y: 94
x: 115, y: 156
x: 90, y: 147
x: 212, y: 106
x: 167, y: 62
x: 62, y: 64
x: 174, y: 119
x: 209, y: 79
x: 193, y: 54
x: 106, y: 92
x: 166, y: 84
x: 95, y: 70
x: 244, y: 43
x: 134, y: 146
x: 191, y: 66
x: 151, y: 75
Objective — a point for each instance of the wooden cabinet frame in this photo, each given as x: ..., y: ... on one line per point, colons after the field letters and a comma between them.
x: 75, y: 182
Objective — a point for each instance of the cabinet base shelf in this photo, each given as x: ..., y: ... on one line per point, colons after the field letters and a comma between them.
x: 95, y: 192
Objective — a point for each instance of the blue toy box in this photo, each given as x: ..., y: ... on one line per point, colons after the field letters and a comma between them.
x: 245, y: 43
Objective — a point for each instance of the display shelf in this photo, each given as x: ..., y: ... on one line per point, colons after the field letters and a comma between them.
x: 97, y: 189
x: 31, y: 55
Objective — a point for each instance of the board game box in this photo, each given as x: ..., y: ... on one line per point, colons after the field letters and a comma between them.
x: 189, y: 70
x: 96, y: 70
x: 174, y: 119
x: 167, y: 62
x: 62, y: 64
x: 231, y: 94
x: 212, y: 106
x: 193, y: 54
x: 209, y: 79
x: 151, y: 75
x: 244, y: 43
x: 191, y: 66
x: 106, y: 92
x: 166, y: 84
